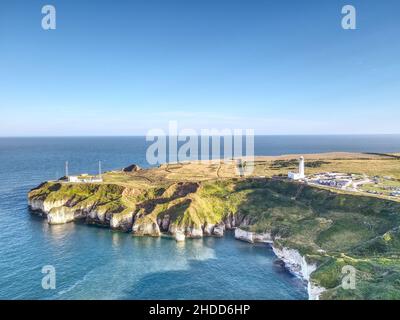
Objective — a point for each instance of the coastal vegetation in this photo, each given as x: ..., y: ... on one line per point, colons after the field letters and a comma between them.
x: 329, y: 228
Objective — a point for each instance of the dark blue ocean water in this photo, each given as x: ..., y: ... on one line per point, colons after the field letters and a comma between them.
x: 96, y: 263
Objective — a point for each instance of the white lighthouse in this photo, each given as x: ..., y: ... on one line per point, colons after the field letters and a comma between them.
x: 298, y: 175
x: 301, y: 167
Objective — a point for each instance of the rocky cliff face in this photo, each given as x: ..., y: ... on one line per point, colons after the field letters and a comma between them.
x: 253, y: 237
x: 299, y: 266
x: 178, y: 210
x: 58, y: 212
x: 292, y: 259
x: 44, y: 206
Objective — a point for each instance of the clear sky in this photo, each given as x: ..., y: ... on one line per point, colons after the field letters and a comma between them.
x: 123, y: 67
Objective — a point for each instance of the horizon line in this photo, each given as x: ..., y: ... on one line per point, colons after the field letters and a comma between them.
x: 256, y: 135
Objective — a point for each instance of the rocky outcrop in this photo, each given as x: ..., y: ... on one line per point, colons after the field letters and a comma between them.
x: 219, y: 230
x: 299, y: 266
x: 58, y: 212
x: 44, y: 206
x: 244, y: 235
x: 122, y: 221
x: 147, y: 228
x: 208, y: 229
x: 60, y: 215
x: 131, y: 168
x: 54, y: 211
x: 230, y: 221
x: 96, y: 216
x: 194, y: 231
x: 189, y: 231
x: 252, y: 237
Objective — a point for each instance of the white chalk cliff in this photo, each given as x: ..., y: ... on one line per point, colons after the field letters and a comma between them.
x: 293, y: 260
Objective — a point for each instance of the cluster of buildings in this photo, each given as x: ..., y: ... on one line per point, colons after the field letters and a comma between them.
x: 332, y: 179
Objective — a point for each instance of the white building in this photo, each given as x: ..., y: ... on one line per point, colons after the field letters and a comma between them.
x: 298, y: 175
x: 85, y: 178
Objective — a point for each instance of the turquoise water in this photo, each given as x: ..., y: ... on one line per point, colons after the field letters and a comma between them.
x: 96, y: 263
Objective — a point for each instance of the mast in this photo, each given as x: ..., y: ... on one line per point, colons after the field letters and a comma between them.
x: 66, y: 169
x: 99, y: 169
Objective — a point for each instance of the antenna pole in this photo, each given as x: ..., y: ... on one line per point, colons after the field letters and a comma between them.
x: 66, y: 169
x: 100, y: 169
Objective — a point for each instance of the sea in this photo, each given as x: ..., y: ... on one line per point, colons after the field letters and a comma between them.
x: 91, y: 262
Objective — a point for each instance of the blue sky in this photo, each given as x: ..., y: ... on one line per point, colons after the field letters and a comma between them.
x: 124, y: 67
